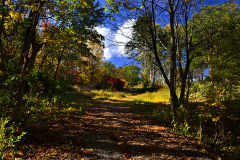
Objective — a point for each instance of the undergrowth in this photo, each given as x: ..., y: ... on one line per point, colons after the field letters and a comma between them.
x: 202, y: 120
x: 9, y: 135
x: 214, y: 122
x: 65, y: 106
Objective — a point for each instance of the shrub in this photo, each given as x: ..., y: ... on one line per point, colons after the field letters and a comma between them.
x: 5, y: 102
x: 111, y: 83
x: 7, y: 135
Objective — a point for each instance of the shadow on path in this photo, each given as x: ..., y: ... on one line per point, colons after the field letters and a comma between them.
x: 109, y: 130
x: 113, y: 131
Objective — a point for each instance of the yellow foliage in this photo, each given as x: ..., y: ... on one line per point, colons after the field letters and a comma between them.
x: 125, y: 83
x: 85, y: 3
x: 213, y: 107
x: 16, y: 15
x: 215, y: 119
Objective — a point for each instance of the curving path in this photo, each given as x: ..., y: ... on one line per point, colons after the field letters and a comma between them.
x: 109, y: 130
x: 113, y: 131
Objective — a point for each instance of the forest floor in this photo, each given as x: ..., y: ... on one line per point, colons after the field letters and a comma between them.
x: 110, y: 129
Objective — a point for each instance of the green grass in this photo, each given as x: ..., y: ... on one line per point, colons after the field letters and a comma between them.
x: 68, y: 106
x: 135, y: 94
x: 107, y: 95
x: 160, y: 96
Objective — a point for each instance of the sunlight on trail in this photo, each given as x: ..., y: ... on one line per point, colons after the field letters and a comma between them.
x: 161, y: 95
x: 114, y: 131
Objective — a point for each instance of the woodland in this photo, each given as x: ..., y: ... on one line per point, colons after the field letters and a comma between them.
x: 61, y: 99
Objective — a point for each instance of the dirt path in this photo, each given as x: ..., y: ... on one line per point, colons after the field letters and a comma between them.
x: 113, y: 131
x: 109, y: 130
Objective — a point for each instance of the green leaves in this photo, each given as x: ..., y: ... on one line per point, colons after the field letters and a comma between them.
x: 113, y: 6
x: 7, y: 135
x: 219, y: 34
x: 131, y: 73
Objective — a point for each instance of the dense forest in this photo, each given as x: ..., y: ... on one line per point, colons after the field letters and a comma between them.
x: 53, y: 73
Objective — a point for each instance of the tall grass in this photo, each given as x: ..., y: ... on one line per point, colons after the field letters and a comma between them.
x: 133, y: 94
x: 107, y: 95
x: 162, y: 95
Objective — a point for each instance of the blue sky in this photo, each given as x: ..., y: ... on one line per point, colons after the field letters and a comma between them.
x: 115, y: 40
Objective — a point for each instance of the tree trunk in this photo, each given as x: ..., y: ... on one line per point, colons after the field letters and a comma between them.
x: 153, y: 47
x: 188, y: 87
x: 19, y: 100
x: 174, y: 99
x: 27, y: 65
x: 183, y: 88
x: 23, y: 81
x: 184, y: 75
x: 55, y: 76
x: 152, y: 76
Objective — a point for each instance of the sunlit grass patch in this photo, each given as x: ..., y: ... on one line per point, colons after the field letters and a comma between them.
x: 135, y: 94
x: 108, y: 95
x: 162, y: 95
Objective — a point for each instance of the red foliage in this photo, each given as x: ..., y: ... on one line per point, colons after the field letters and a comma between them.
x: 114, y: 83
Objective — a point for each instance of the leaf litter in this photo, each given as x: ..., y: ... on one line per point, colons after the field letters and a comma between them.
x: 109, y: 130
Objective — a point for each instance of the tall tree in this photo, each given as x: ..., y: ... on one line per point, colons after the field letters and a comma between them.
x: 220, y: 36
x: 131, y: 73
x: 173, y: 15
x: 22, y: 37
x: 110, y: 69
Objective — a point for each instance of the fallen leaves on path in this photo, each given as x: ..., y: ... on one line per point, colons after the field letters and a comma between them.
x: 109, y: 130
x: 130, y: 136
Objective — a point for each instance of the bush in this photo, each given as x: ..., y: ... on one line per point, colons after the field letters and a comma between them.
x: 111, y: 83
x: 62, y: 85
x: 6, y: 102
x: 7, y: 135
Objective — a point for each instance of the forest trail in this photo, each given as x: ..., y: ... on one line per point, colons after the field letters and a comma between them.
x: 108, y: 130
x: 113, y: 131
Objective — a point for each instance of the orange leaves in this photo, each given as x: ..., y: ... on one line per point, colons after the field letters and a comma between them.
x: 86, y: 152
x: 158, y: 128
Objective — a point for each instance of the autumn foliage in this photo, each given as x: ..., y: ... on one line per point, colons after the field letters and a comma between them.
x: 111, y: 83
